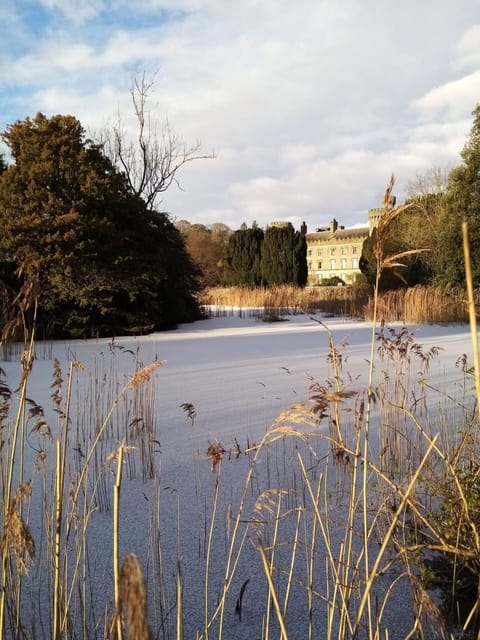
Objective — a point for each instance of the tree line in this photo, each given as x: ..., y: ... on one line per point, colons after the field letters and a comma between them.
x: 249, y: 256
x: 86, y: 251
x: 430, y: 227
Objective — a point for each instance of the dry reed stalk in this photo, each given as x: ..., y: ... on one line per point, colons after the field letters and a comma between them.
x: 141, y: 376
x: 471, y: 310
x: 311, y: 565
x: 179, y: 617
x: 263, y: 512
x: 292, y: 561
x: 62, y: 592
x: 116, y: 536
x: 159, y: 597
x: 272, y: 592
x: 216, y: 464
x: 373, y: 572
x: 341, y: 588
x: 7, y: 481
x: 237, y: 540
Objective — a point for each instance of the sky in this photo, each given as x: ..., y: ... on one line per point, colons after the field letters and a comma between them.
x: 308, y: 107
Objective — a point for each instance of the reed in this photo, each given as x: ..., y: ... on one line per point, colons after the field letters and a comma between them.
x: 420, y: 304
x: 346, y: 301
x: 327, y: 524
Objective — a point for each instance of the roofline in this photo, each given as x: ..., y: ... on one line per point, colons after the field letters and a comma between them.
x: 340, y: 234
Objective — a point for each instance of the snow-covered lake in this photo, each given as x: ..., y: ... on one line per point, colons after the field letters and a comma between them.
x: 238, y: 374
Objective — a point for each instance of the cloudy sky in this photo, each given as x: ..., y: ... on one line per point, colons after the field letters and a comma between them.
x: 308, y: 106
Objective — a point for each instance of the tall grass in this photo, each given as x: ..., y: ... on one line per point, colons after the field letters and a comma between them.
x: 420, y: 304
x: 347, y: 300
x: 352, y: 501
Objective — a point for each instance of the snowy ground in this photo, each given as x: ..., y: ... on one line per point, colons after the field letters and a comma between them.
x: 238, y: 373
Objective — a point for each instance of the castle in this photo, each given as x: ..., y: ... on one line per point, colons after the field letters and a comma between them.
x: 336, y: 251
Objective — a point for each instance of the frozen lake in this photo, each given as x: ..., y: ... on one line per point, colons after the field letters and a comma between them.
x: 236, y: 375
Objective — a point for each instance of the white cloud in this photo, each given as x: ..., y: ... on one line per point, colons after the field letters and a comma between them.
x: 309, y: 105
x: 468, y: 49
x: 77, y: 11
x: 453, y: 99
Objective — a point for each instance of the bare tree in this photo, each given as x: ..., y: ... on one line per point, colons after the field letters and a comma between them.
x: 152, y: 160
x: 428, y: 182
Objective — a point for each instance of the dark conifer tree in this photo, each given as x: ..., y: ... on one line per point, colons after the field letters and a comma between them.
x: 284, y: 254
x: 243, y: 256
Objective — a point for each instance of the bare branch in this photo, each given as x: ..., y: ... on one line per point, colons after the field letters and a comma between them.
x: 152, y: 162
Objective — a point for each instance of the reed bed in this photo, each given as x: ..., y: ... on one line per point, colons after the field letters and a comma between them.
x: 345, y: 301
x: 420, y: 304
x: 423, y: 304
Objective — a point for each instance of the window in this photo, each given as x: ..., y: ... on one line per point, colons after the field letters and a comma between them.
x: 344, y: 263
x: 333, y: 251
x: 332, y: 263
x: 354, y: 249
x: 355, y: 263
x: 319, y: 264
x: 309, y: 252
x: 319, y: 252
x: 344, y: 250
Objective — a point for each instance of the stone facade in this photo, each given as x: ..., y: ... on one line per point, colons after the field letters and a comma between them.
x: 336, y: 251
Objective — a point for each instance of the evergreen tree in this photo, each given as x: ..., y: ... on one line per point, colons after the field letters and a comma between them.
x: 99, y: 260
x: 284, y: 256
x: 243, y: 257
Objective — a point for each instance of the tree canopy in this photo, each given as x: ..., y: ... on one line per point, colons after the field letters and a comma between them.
x: 462, y: 202
x: 99, y: 261
x: 206, y: 246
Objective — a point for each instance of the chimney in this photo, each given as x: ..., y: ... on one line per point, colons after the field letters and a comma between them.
x: 333, y: 225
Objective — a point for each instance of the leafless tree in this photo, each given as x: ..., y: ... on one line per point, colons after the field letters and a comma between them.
x: 430, y: 181
x: 152, y: 161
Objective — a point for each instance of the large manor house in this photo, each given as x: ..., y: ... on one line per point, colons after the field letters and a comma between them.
x: 336, y: 251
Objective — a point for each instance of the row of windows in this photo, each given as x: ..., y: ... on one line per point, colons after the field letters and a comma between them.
x: 333, y: 264
x: 333, y: 250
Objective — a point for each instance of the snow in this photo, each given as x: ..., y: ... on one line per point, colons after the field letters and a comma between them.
x: 239, y: 373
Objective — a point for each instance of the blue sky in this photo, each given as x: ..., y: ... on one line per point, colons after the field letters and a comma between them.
x: 308, y: 106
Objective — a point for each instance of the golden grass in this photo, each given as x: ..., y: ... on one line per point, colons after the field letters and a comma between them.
x: 347, y: 300
x: 420, y: 304
x: 423, y: 304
